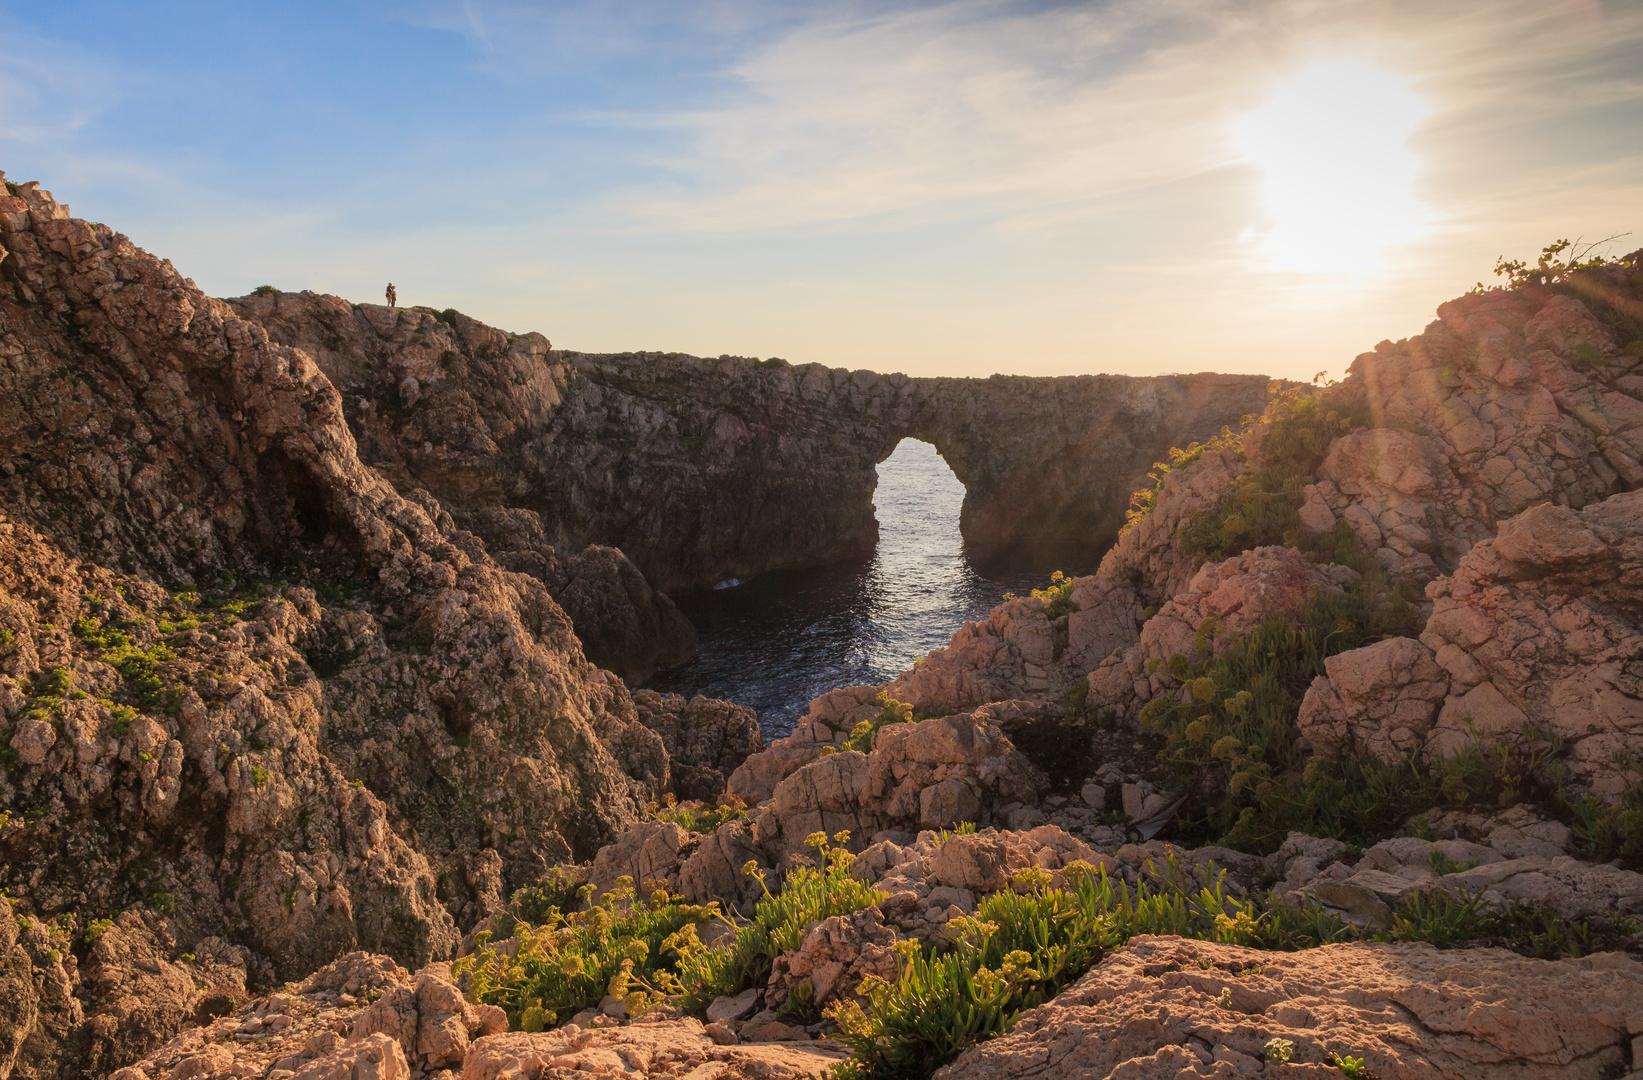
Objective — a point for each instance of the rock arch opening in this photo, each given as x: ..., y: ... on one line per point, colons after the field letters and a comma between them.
x: 917, y: 502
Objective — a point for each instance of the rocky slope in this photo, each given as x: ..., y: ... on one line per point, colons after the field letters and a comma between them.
x: 707, y: 469
x: 245, y: 684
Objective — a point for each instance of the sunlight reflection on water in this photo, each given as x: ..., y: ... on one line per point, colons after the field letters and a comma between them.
x: 784, y: 638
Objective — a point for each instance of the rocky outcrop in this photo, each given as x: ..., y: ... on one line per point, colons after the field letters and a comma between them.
x: 624, y: 625
x: 1224, y: 599
x: 659, y: 1048
x: 1540, y: 626
x: 707, y: 469
x: 927, y: 774
x: 1510, y: 399
x: 1171, y: 1007
x: 706, y: 740
x: 1019, y: 651
x: 339, y: 722
x: 364, y: 1017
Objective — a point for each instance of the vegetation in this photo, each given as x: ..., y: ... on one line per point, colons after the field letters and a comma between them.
x: 1559, y: 261
x: 448, y: 316
x: 1024, y: 946
x: 643, y: 946
x: 1264, y: 504
x: 1058, y: 597
x: 892, y: 712
x: 627, y: 945
x: 694, y: 816
x: 809, y: 894
x: 1145, y: 501
x: 265, y: 290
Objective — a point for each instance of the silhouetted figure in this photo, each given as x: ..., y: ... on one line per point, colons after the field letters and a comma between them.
x: 393, y: 297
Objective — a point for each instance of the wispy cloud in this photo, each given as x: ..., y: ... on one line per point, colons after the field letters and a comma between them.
x: 981, y: 108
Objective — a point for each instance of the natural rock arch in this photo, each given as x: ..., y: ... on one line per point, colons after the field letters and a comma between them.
x: 702, y: 469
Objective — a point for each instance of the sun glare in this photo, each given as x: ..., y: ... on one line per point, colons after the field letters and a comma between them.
x: 1338, y: 174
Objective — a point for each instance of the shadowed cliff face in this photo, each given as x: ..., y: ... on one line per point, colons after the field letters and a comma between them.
x: 707, y: 469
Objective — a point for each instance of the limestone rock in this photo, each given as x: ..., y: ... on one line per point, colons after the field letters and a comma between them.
x: 1409, y: 1011
x: 1543, y: 625
x: 836, y: 955
x: 1017, y: 652
x: 362, y: 1017
x: 706, y: 740
x: 643, y: 1048
x: 1148, y: 552
x: 926, y: 774
x: 1379, y: 701
x: 1222, y: 599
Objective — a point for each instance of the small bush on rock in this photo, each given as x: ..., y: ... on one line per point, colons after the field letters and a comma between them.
x: 1057, y: 597
x: 1143, y: 502
x: 1021, y: 948
x: 892, y: 712
x: 628, y: 945
x: 1233, y: 741
x: 694, y: 816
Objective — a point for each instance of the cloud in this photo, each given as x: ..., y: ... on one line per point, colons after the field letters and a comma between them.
x: 976, y: 108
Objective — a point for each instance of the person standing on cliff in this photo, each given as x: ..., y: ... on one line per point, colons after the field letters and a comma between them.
x: 393, y: 297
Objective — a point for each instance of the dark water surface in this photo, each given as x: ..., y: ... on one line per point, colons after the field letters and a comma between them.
x: 784, y: 638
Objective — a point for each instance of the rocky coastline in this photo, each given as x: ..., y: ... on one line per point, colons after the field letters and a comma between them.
x: 319, y: 762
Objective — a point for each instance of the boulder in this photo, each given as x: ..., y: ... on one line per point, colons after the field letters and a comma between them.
x: 1543, y: 625
x: 706, y: 740
x: 836, y: 955
x: 1379, y: 702
x: 644, y: 1048
x: 1171, y: 1007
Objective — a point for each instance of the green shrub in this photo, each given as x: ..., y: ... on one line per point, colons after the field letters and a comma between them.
x: 1145, y: 501
x: 694, y: 816
x: 1232, y: 743
x: 1558, y: 261
x: 1024, y: 946
x: 809, y: 894
x: 1443, y: 865
x: 1058, y: 597
x: 558, y: 891
x: 890, y: 712
x: 1605, y: 831
x: 265, y: 290
x: 140, y: 668
x: 1264, y: 504
x: 626, y: 945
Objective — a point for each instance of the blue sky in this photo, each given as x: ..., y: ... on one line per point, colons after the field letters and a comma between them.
x: 937, y: 188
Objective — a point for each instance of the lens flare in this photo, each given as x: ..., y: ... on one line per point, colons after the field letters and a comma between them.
x: 1338, y: 176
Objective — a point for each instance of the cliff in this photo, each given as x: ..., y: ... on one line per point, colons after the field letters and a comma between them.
x: 245, y: 684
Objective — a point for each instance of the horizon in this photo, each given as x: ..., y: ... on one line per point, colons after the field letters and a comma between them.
x: 963, y: 188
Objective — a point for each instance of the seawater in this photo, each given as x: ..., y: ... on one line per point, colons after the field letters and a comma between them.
x: 784, y: 638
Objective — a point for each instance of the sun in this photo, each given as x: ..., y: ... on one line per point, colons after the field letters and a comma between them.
x: 1338, y: 176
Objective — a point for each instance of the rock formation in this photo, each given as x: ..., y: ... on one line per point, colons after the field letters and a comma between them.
x: 701, y: 470
x: 245, y: 684
x: 1154, y: 1010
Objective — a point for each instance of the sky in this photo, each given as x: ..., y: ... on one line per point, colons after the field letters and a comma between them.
x: 938, y: 188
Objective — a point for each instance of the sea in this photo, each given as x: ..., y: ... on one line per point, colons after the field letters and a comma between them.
x: 784, y: 638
